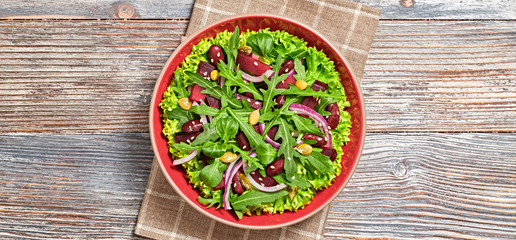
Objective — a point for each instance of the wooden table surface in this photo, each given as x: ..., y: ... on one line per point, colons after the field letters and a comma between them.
x: 440, y: 90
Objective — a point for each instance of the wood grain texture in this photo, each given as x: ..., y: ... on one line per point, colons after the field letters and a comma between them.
x: 97, y: 76
x: 406, y: 186
x: 413, y: 186
x: 160, y: 9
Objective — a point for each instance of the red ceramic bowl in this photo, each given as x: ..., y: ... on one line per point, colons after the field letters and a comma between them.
x: 176, y: 174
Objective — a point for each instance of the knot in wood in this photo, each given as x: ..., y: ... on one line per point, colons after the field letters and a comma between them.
x: 407, y: 3
x: 125, y: 10
x: 400, y: 169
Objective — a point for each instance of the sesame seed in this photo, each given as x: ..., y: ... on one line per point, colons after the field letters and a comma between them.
x: 256, y: 63
x: 188, y: 141
x: 263, y: 185
x: 289, y: 158
x: 293, y: 177
x: 329, y: 127
x: 234, y: 185
x: 286, y: 70
x: 218, y: 54
x: 253, y: 173
x: 211, y: 60
x: 272, y: 167
x: 192, y: 138
x: 249, y: 100
x: 205, y: 73
x: 261, y: 179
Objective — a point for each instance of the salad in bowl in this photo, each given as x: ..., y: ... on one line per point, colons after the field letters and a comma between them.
x: 257, y: 122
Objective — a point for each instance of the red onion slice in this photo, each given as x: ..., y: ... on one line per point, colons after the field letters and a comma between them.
x: 318, y: 119
x: 268, y: 139
x: 263, y: 188
x: 230, y: 172
x: 186, y: 159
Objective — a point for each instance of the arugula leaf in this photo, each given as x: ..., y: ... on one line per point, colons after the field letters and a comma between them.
x: 319, y: 161
x: 282, y: 111
x: 324, y: 102
x: 180, y: 114
x: 300, y: 53
x: 286, y: 149
x: 208, y: 201
x: 271, y: 91
x: 232, y: 48
x: 306, y: 125
x: 210, y: 134
x: 179, y: 84
x: 300, y: 70
x: 298, y: 180
x: 204, y: 110
x: 253, y: 137
x: 308, y: 92
x: 235, y: 79
x: 267, y: 116
x: 227, y: 128
x: 213, y: 89
x: 187, y: 147
x: 212, y: 174
x: 252, y: 162
x: 213, y: 149
x: 266, y: 153
x: 262, y: 44
x: 256, y: 198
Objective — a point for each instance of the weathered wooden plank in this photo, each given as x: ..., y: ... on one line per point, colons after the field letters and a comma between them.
x: 158, y: 9
x: 413, y: 186
x: 406, y: 186
x: 97, y: 76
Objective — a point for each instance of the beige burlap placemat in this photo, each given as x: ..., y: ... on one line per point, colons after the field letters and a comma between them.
x: 349, y: 26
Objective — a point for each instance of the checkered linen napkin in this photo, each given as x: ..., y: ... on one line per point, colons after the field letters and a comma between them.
x: 349, y: 26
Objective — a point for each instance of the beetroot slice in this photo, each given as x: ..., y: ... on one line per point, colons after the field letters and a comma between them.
x: 310, y: 102
x: 319, y: 86
x: 196, y: 94
x: 205, y: 69
x: 284, y: 84
x: 251, y: 65
x: 213, y: 102
x: 330, y: 152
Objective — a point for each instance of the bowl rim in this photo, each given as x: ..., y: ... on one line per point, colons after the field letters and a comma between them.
x: 202, y: 210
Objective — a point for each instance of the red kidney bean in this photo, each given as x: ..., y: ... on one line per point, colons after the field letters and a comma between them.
x: 213, y: 102
x: 319, y: 86
x: 194, y: 125
x: 242, y: 141
x: 256, y: 128
x: 266, y: 181
x: 272, y: 132
x: 280, y: 100
x: 310, y: 102
x: 248, y: 94
x: 255, y: 104
x: 320, y: 140
x: 330, y: 152
x: 333, y: 121
x: 186, y: 137
x: 286, y: 67
x: 275, y: 167
x: 215, y: 54
x: 235, y: 183
x: 204, y: 69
